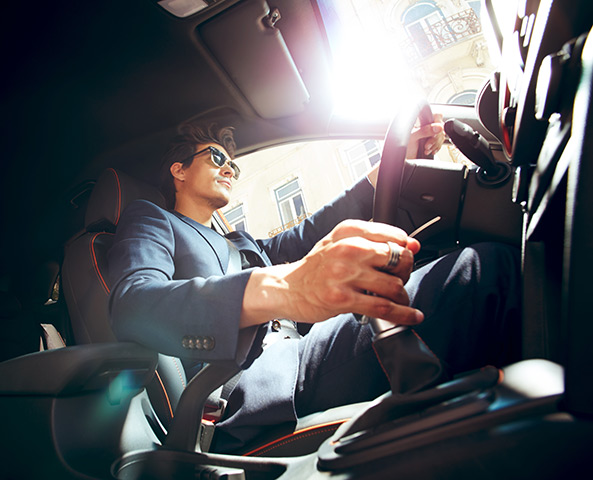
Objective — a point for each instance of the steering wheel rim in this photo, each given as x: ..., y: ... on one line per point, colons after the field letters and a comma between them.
x: 393, y: 159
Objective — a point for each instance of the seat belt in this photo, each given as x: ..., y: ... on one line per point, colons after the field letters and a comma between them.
x: 235, y: 264
x: 218, y: 399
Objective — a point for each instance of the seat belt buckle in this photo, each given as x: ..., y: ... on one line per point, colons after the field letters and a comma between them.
x: 206, y: 435
x: 214, y: 414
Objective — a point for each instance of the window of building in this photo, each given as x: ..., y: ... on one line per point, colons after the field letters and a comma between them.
x: 362, y: 157
x: 430, y: 31
x: 291, y: 202
x: 468, y: 97
x: 236, y: 218
x: 476, y: 7
x: 419, y: 20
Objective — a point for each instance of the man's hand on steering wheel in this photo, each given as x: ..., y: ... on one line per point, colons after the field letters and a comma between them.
x: 434, y: 133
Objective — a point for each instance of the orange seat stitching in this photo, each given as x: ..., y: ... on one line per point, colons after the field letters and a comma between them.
x: 304, y: 433
x: 165, y: 393
x: 95, y: 263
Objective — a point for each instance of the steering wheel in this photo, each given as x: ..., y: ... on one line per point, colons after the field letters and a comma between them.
x: 410, y: 365
x: 393, y: 159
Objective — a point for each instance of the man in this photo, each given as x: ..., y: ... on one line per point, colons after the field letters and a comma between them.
x: 171, y: 289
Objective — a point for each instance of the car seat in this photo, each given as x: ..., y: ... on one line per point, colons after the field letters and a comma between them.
x: 86, y: 290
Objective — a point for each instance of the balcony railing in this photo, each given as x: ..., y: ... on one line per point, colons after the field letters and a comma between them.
x: 442, y: 34
x: 286, y: 226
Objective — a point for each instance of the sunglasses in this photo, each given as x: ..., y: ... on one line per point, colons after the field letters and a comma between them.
x: 219, y: 159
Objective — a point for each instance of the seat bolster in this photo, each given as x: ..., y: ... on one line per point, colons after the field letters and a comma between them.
x: 85, y: 287
x: 166, y: 391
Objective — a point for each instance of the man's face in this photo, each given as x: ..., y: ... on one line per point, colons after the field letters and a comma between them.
x: 205, y: 182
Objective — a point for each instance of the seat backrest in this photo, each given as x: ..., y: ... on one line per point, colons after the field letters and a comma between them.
x: 86, y: 289
x: 85, y: 256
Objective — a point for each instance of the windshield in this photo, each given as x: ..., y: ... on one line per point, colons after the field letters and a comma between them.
x: 383, y: 49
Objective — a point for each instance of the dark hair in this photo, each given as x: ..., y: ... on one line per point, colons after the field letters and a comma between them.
x: 189, y: 136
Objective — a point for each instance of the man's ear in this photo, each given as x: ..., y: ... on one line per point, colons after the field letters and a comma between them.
x: 178, y: 171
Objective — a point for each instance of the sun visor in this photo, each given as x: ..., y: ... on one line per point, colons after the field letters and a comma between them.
x: 247, y: 43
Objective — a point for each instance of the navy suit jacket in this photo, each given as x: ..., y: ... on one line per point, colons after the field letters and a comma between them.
x: 169, y: 281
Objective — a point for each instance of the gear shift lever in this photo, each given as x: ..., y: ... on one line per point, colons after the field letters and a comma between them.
x: 406, y: 359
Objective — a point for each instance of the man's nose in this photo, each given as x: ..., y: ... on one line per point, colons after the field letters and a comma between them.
x: 226, y: 170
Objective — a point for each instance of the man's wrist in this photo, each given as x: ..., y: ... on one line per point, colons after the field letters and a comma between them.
x: 266, y: 295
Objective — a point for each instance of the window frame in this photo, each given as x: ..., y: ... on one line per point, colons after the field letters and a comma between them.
x: 367, y: 158
x: 279, y: 200
x: 241, y: 218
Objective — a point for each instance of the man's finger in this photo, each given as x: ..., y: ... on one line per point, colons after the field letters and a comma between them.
x: 379, y: 307
x: 373, y: 231
x: 400, y: 261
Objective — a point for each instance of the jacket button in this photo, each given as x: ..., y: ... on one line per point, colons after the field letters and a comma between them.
x: 192, y: 342
x: 208, y: 343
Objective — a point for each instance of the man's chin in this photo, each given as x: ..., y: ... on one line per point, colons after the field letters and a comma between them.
x: 220, y: 202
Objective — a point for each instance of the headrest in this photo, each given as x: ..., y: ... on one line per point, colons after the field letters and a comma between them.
x: 112, y: 193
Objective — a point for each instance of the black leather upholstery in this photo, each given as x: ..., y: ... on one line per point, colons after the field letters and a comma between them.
x: 85, y: 281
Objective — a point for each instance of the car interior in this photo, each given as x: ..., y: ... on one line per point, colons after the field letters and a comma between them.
x: 93, y: 93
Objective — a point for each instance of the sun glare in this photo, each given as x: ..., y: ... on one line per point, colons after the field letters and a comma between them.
x: 373, y: 44
x: 370, y: 77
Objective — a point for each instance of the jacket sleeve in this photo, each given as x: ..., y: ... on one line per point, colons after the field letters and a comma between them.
x: 195, y: 318
x: 293, y: 244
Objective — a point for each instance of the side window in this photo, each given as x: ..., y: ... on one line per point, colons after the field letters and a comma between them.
x: 362, y: 157
x: 236, y: 218
x: 291, y: 202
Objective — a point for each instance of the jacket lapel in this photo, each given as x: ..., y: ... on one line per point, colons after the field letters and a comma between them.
x: 217, y: 242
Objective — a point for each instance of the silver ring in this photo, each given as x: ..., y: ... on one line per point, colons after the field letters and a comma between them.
x: 394, y: 251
